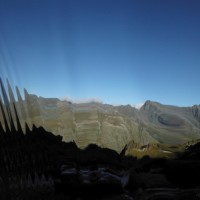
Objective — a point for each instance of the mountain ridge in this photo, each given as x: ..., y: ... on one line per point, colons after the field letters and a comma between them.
x: 153, y: 122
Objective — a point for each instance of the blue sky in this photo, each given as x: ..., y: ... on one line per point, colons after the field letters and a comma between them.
x: 121, y: 51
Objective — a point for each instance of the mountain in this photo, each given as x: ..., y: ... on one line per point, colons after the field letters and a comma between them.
x: 109, y: 126
x: 113, y: 126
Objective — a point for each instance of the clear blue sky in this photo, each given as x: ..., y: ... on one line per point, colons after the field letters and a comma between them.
x: 122, y: 51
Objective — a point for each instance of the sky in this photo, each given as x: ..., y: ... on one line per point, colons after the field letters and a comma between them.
x: 119, y: 51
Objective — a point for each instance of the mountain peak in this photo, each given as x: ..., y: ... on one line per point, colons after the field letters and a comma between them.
x: 149, y: 105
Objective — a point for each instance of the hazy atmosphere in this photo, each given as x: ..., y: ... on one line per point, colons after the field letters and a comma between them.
x: 121, y: 52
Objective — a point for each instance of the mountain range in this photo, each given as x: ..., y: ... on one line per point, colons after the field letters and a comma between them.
x: 153, y: 126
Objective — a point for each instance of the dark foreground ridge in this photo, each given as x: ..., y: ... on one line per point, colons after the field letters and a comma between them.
x: 35, y: 164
